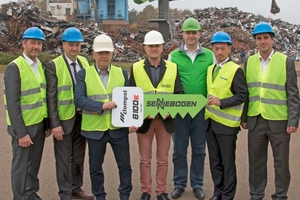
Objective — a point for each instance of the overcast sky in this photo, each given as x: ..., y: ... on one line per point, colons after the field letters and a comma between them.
x: 289, y: 9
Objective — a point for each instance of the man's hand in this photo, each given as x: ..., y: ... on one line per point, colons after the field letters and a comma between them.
x: 133, y: 129
x: 149, y: 117
x: 48, y: 132
x: 291, y: 129
x: 58, y: 133
x: 244, y: 125
x: 212, y: 100
x: 109, y: 105
x: 25, y: 141
x: 167, y: 115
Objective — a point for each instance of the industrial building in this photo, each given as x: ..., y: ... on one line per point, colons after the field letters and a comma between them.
x: 94, y: 10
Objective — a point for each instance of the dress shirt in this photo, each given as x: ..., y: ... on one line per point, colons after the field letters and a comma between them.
x: 222, y: 63
x: 103, y: 76
x: 71, y: 67
x: 190, y: 54
x: 264, y: 63
x: 33, y: 65
x: 155, y: 71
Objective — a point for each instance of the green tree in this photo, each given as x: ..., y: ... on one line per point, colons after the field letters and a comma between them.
x: 149, y: 12
x: 132, y: 16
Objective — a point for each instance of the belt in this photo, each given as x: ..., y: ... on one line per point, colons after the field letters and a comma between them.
x: 79, y: 112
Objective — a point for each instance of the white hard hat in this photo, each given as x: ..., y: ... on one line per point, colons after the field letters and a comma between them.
x: 103, y: 43
x: 153, y: 37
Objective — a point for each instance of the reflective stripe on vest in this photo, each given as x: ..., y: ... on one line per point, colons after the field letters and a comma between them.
x: 165, y: 86
x: 97, y: 92
x: 101, y: 98
x: 65, y: 91
x: 267, y: 92
x: 32, y: 93
x: 220, y: 88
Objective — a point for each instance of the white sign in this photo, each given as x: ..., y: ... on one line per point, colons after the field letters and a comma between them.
x: 130, y: 110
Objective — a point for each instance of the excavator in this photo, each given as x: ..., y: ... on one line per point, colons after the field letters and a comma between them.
x: 165, y: 25
x: 274, y: 7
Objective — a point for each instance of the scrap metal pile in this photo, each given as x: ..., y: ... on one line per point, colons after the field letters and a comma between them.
x: 239, y: 26
x: 16, y: 17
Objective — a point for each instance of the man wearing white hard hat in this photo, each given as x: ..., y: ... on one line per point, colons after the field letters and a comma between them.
x: 93, y: 94
x: 152, y: 74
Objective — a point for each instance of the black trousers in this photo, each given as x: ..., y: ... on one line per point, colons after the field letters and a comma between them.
x: 69, y: 155
x: 25, y: 166
x: 221, y: 150
x: 97, y: 149
x: 258, y: 140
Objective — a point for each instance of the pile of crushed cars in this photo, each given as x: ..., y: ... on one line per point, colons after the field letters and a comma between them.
x: 16, y: 17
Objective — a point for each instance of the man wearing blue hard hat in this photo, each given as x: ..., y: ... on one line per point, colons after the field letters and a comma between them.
x: 227, y: 92
x: 65, y: 118
x: 26, y: 113
x: 271, y: 114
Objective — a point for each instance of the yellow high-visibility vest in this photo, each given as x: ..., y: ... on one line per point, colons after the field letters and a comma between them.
x: 97, y: 92
x: 165, y: 86
x: 33, y: 93
x: 65, y: 87
x: 267, y: 92
x: 220, y: 88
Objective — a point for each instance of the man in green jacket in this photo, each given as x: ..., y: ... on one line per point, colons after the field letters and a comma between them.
x: 192, y: 60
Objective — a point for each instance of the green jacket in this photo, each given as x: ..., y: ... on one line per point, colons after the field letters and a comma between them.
x: 193, y: 74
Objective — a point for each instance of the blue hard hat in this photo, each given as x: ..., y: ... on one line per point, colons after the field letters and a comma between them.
x: 72, y: 35
x: 221, y: 37
x: 33, y: 33
x: 263, y: 27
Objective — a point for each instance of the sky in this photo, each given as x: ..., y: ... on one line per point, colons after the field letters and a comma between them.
x: 289, y: 11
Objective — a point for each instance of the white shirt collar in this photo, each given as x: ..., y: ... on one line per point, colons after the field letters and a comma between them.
x: 30, y: 62
x: 186, y: 49
x: 70, y: 61
x: 269, y: 58
x: 223, y: 63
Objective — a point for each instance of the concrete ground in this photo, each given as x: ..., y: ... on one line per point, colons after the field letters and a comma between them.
x: 48, y: 186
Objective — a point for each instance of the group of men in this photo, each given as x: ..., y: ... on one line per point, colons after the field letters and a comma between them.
x: 262, y: 98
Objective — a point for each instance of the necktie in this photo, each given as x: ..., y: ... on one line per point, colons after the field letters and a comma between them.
x: 216, y: 72
x: 74, y: 71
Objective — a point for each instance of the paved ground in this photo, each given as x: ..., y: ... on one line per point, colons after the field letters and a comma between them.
x: 48, y: 187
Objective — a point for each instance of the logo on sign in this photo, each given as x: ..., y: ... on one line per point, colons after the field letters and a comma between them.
x: 166, y: 85
x: 135, y: 107
x: 124, y: 110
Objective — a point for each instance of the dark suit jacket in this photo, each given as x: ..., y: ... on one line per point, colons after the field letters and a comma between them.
x: 239, y: 89
x: 84, y: 103
x: 169, y: 123
x: 293, y: 100
x: 12, y: 83
x: 51, y: 77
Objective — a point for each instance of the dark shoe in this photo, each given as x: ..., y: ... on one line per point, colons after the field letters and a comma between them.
x: 199, y: 193
x: 81, y: 195
x: 163, y: 196
x: 214, y: 198
x: 176, y: 193
x: 145, y: 196
x: 37, y: 197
